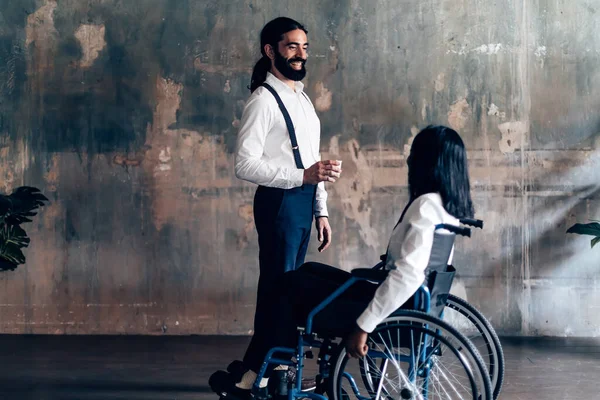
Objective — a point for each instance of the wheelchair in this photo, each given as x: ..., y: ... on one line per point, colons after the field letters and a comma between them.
x: 469, y: 321
x: 413, y: 354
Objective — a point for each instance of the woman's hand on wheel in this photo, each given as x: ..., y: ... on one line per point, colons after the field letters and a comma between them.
x: 356, y: 343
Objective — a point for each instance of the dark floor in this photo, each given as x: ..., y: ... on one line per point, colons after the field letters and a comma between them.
x: 170, y: 368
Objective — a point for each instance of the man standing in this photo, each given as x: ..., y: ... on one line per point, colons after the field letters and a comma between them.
x: 278, y: 149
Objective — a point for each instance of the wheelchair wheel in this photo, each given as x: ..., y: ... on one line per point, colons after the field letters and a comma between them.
x: 412, y: 355
x: 471, y: 323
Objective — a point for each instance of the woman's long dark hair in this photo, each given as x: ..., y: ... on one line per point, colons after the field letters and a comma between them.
x: 438, y: 164
x: 272, y: 33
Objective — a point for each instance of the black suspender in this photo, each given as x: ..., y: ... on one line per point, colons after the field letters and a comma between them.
x: 403, y: 212
x: 290, y: 126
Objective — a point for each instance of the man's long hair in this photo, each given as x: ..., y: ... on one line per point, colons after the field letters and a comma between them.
x: 438, y: 164
x: 272, y: 33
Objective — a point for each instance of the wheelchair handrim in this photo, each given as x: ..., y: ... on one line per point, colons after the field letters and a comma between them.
x: 472, y: 363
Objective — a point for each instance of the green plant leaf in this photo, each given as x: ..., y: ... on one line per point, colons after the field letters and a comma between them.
x: 12, y: 239
x: 595, y: 241
x: 592, y: 228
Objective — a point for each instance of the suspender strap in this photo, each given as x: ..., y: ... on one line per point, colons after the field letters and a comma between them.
x: 289, y: 124
x: 402, y: 215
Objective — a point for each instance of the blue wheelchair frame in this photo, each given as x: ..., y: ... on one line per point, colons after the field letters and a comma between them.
x: 306, y: 337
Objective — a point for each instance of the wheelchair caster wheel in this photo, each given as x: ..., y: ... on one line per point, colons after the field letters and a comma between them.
x: 406, y: 394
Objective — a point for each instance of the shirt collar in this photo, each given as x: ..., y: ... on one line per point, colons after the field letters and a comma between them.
x: 281, y: 86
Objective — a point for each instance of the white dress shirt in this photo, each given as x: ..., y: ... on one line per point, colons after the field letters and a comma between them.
x: 264, y: 152
x: 407, y: 257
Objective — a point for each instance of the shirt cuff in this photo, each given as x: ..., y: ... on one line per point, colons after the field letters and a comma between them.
x: 296, y: 178
x: 366, y: 323
x: 321, y: 210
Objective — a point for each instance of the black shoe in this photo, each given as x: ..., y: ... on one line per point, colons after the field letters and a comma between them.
x: 307, y: 385
x: 237, y: 369
x: 223, y: 384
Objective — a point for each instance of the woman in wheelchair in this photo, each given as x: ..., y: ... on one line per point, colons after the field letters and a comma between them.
x: 439, y: 194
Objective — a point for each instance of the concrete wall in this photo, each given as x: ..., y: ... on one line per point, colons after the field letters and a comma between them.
x: 125, y: 114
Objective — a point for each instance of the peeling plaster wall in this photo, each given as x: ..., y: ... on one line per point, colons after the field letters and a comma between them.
x: 125, y: 114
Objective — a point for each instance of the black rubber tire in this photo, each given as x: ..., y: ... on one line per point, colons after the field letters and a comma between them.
x: 489, y: 335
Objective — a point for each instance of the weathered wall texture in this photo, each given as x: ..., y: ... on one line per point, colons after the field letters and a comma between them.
x: 125, y: 114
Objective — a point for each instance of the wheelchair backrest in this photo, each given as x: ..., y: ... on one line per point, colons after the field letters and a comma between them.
x: 440, y: 252
x: 438, y: 274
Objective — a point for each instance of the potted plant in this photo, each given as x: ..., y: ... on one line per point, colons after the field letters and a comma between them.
x: 15, y: 209
x: 592, y: 229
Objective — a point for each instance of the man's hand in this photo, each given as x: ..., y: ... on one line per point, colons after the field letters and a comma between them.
x: 323, y: 171
x: 323, y: 232
x: 356, y: 343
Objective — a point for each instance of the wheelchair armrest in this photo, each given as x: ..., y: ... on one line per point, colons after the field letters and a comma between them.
x: 376, y: 275
x: 379, y: 265
x: 477, y: 223
x: 455, y: 229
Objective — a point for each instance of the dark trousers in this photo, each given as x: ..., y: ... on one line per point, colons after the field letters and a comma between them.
x: 298, y: 293
x: 283, y: 219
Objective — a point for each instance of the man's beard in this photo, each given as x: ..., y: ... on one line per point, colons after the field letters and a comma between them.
x: 286, y: 69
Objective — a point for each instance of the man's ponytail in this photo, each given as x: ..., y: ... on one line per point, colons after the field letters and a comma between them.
x: 259, y: 73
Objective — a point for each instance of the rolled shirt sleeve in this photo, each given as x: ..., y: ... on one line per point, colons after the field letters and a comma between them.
x: 407, y: 258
